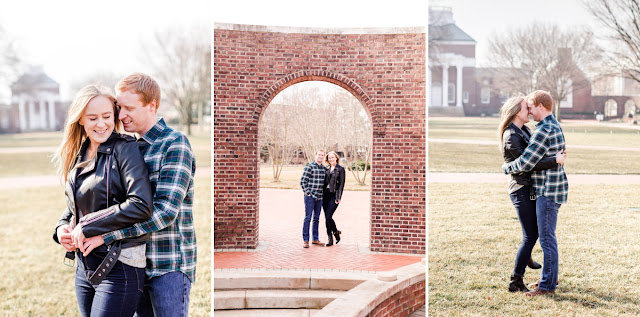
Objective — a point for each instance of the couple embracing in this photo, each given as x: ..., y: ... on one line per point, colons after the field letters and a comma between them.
x: 128, y: 220
x: 538, y: 184
x: 322, y: 186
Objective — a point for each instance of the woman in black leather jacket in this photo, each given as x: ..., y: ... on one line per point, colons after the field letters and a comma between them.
x: 514, y: 138
x: 333, y: 187
x: 107, y: 188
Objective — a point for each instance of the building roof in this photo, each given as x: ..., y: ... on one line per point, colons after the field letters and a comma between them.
x: 34, y: 78
x: 448, y: 32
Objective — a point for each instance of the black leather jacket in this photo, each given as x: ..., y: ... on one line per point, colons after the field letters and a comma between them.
x: 112, y: 194
x: 514, y: 142
x: 335, y: 181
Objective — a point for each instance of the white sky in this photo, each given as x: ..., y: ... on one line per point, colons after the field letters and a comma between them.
x: 326, y: 13
x: 480, y: 19
x: 72, y: 39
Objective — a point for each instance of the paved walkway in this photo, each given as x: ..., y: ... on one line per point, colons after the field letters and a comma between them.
x: 281, y: 214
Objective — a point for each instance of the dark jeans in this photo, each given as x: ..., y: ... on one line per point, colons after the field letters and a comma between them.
x: 547, y: 213
x: 117, y: 295
x: 312, y: 208
x: 165, y: 295
x: 526, y: 209
x: 329, y: 205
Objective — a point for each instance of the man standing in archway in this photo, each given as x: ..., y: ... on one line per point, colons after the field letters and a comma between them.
x: 312, y: 181
x: 551, y: 185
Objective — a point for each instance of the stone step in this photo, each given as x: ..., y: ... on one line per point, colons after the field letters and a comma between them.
x: 258, y: 299
x: 266, y: 313
x: 343, y: 281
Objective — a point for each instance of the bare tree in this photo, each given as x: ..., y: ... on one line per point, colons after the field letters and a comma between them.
x: 621, y: 18
x: 181, y: 62
x: 544, y: 56
x: 275, y: 135
x: 354, y: 132
x: 10, y: 62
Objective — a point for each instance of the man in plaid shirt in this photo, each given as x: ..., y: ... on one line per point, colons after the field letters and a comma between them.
x: 312, y: 181
x: 551, y: 185
x: 171, y: 250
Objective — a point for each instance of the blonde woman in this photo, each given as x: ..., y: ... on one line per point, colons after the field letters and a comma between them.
x: 107, y: 188
x: 514, y: 138
x: 333, y: 187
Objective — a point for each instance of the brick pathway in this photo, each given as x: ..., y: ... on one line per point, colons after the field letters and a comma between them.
x: 281, y: 215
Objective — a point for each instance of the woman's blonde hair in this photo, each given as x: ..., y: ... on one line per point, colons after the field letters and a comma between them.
x: 508, y: 111
x: 326, y: 158
x: 74, y: 135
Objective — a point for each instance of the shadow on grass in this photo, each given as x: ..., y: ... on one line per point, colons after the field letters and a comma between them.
x: 593, y: 298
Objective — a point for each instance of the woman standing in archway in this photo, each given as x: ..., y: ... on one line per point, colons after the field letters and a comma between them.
x: 333, y: 187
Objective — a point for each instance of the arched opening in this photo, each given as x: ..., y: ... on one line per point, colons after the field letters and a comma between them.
x: 611, y: 108
x: 300, y: 118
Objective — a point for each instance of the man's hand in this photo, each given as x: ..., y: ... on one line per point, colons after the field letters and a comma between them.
x: 561, y: 156
x: 77, y: 236
x: 64, y: 237
x: 91, y: 243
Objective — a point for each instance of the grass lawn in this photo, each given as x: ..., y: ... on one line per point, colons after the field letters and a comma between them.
x: 34, y: 282
x: 455, y: 157
x: 290, y: 178
x: 474, y: 235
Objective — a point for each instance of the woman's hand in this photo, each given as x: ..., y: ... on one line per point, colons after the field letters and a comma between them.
x: 77, y: 236
x: 91, y: 243
x: 64, y: 237
x: 561, y: 156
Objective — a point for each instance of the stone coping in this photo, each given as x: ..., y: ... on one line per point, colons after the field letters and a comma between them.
x: 362, y: 299
x: 319, y: 30
x: 362, y: 248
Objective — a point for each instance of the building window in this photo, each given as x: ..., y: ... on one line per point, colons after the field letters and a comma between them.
x: 485, y: 95
x: 465, y: 97
x: 451, y: 93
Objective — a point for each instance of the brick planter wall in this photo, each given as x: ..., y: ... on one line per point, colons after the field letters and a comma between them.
x: 402, y: 303
x: 384, y: 68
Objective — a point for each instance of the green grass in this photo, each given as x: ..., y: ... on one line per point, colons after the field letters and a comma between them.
x: 456, y: 157
x: 34, y: 282
x: 472, y: 128
x: 474, y: 235
x: 290, y: 178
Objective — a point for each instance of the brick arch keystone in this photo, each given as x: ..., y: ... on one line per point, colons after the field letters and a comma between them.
x: 384, y: 68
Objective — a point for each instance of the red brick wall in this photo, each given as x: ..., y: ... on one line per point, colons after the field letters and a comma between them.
x: 386, y: 72
x: 402, y: 303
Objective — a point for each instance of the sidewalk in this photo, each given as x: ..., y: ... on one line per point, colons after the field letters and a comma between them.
x: 281, y: 214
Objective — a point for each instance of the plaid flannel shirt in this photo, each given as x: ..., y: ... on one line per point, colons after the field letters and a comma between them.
x: 171, y: 163
x: 546, y: 140
x: 312, y: 180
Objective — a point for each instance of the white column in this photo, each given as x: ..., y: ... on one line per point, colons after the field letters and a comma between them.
x: 22, y: 114
x: 459, y: 85
x: 43, y: 115
x: 445, y: 85
x: 32, y: 119
x: 52, y: 114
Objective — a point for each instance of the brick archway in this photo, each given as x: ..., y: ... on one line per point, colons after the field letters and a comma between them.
x: 384, y: 68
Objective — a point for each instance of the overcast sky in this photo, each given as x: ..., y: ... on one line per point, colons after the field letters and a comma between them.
x: 480, y: 19
x: 72, y: 39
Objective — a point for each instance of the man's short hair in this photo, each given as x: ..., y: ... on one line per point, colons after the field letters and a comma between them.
x: 141, y: 84
x: 319, y: 151
x: 541, y: 97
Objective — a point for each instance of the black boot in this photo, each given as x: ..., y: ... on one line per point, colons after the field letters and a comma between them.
x: 533, y: 264
x: 337, y: 234
x: 330, y: 243
x: 517, y: 284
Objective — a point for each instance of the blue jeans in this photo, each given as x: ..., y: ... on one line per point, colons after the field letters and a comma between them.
x: 165, y: 296
x: 311, y: 206
x: 526, y: 209
x: 547, y: 213
x: 117, y: 295
x: 329, y: 205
